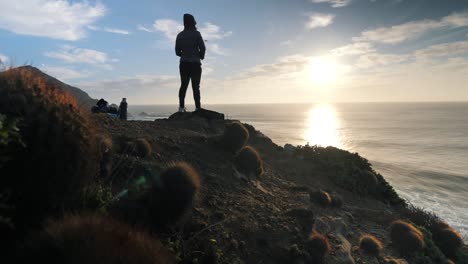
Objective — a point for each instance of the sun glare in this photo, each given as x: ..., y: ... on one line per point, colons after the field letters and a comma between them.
x: 323, y: 70
x: 323, y: 127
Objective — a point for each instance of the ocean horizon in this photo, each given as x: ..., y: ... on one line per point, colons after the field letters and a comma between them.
x: 421, y: 148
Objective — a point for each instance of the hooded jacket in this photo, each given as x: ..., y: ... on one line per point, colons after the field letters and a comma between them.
x: 190, y: 46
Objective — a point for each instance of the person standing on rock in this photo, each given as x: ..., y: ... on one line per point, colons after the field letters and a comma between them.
x: 191, y: 49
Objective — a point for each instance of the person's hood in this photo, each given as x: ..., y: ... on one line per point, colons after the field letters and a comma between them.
x: 189, y: 20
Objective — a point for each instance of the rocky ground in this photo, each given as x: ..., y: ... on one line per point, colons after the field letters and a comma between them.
x: 64, y: 163
x: 236, y: 221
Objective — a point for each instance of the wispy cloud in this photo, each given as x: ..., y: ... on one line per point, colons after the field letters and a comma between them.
x: 138, y: 88
x: 334, y: 3
x: 170, y: 28
x: 146, y: 29
x: 70, y: 54
x: 412, y: 30
x: 3, y: 59
x: 50, y: 18
x: 110, y: 30
x: 371, y: 60
x: 63, y: 73
x: 318, y: 20
x: 117, y: 31
x: 212, y: 32
x: 442, y: 50
x: 353, y: 49
x: 282, y: 66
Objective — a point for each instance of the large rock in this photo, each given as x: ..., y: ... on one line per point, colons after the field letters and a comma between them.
x: 202, y: 113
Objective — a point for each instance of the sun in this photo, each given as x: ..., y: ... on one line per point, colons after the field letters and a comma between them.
x: 323, y: 70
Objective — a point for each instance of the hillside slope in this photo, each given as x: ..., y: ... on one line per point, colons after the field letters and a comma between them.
x: 81, y: 96
x: 235, y: 221
x: 59, y: 162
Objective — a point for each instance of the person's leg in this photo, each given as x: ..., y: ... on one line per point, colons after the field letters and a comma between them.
x: 196, y: 77
x: 184, y: 82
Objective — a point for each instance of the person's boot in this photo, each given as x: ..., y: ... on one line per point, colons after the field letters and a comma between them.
x: 182, y: 109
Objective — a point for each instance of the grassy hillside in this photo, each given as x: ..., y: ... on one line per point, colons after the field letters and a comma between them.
x: 189, y: 190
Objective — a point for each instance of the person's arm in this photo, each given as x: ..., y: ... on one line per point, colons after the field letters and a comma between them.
x: 178, y: 50
x: 201, y: 46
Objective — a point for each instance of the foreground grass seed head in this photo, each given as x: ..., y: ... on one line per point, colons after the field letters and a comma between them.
x: 318, y: 247
x: 93, y: 239
x: 370, y: 245
x: 249, y: 162
x: 406, y: 238
x: 235, y: 136
x: 61, y: 153
x: 173, y: 194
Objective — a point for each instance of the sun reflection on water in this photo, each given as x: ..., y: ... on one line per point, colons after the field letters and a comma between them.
x: 322, y: 127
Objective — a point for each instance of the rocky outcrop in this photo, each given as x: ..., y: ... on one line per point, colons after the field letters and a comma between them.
x: 202, y: 113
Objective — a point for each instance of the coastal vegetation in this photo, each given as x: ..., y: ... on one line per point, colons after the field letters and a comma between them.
x: 370, y: 245
x: 88, y: 187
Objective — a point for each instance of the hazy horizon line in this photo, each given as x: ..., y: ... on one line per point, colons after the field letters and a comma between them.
x: 291, y: 103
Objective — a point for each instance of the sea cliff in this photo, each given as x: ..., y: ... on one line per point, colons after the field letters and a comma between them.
x: 193, y: 188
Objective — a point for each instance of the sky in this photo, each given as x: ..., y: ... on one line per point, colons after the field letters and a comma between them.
x: 262, y: 51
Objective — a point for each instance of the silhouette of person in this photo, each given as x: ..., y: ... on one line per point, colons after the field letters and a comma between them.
x: 191, y: 49
x: 123, y: 109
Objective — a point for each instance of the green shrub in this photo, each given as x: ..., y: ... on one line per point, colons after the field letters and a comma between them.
x: 370, y: 245
x: 321, y: 197
x: 10, y: 137
x: 318, y: 247
x: 249, y: 162
x: 92, y: 239
x: 419, y: 216
x: 59, y: 156
x: 106, y: 151
x: 431, y: 253
x: 172, y: 194
x: 351, y: 172
x: 96, y: 198
x: 235, y: 136
x: 406, y: 238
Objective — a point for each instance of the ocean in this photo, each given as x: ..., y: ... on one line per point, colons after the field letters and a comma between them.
x: 420, y: 148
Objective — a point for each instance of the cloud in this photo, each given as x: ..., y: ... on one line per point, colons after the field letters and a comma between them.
x: 412, y: 30
x: 318, y: 20
x: 146, y: 29
x: 49, y: 18
x: 170, y: 28
x: 110, y: 30
x: 369, y: 61
x: 70, y: 54
x: 117, y: 31
x: 63, y: 73
x: 3, y: 59
x: 334, y: 3
x: 287, y: 43
x: 282, y: 66
x: 356, y: 48
x: 212, y: 32
x: 144, y: 89
x: 442, y: 50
